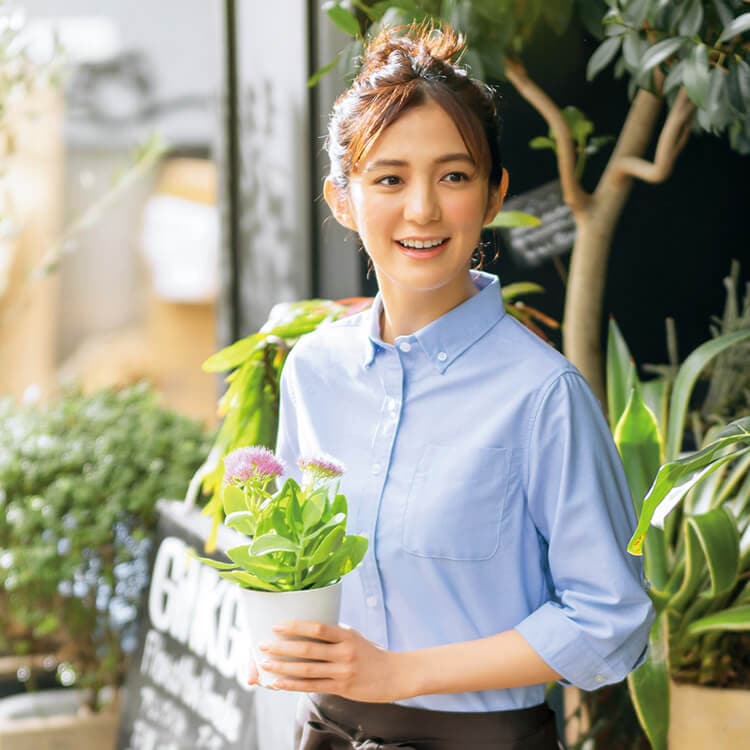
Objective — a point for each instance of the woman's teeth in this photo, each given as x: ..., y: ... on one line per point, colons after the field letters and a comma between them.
x: 419, y: 244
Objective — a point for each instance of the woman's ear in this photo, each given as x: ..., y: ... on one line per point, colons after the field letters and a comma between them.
x: 339, y: 204
x: 497, y: 197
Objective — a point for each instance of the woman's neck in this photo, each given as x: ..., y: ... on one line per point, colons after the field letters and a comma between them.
x: 405, y: 311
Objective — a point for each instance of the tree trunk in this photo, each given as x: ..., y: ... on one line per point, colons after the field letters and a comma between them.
x: 595, y: 227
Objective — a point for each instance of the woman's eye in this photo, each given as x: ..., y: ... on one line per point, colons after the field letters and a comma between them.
x: 389, y: 180
x: 456, y: 177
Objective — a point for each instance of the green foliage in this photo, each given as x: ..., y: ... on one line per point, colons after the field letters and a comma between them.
x: 582, y: 130
x: 79, y: 481
x: 298, y: 538
x: 699, y: 44
x: 697, y: 558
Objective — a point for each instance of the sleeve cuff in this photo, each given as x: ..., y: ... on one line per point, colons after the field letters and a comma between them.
x: 567, y: 650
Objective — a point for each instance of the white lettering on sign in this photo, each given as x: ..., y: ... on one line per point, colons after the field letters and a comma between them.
x: 190, y: 602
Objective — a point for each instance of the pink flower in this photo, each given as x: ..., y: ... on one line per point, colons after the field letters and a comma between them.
x: 254, y: 462
x: 321, y: 467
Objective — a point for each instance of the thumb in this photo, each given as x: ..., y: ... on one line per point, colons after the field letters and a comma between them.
x: 252, y: 678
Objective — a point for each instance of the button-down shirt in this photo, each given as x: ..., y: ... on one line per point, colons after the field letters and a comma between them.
x: 481, y: 468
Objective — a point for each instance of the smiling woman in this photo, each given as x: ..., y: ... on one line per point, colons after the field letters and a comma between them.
x: 479, y: 463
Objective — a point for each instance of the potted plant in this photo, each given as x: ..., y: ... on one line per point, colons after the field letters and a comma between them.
x: 697, y: 558
x: 79, y: 481
x: 297, y: 550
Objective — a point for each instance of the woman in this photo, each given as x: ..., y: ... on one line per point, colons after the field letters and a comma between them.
x: 478, y: 462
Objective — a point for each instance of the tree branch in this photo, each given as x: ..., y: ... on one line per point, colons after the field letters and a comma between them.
x: 573, y: 194
x: 672, y: 139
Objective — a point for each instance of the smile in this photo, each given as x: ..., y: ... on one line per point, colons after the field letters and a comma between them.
x: 422, y: 244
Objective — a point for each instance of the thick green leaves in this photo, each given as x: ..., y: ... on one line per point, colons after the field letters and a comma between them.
x: 738, y: 85
x: 676, y: 478
x: 263, y: 545
x: 685, y: 381
x: 620, y: 373
x: 692, y: 19
x: 232, y: 356
x: 711, y: 542
x: 649, y: 686
x: 737, y: 618
x: 233, y: 499
x: 243, y: 521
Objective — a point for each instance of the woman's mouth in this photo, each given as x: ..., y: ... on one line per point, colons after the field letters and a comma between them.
x: 422, y: 248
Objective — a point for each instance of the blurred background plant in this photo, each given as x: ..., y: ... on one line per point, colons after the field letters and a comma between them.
x: 79, y: 481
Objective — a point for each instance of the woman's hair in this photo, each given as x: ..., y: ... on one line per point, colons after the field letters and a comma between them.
x: 404, y: 67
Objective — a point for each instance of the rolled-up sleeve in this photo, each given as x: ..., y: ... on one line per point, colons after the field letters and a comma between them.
x: 594, y: 629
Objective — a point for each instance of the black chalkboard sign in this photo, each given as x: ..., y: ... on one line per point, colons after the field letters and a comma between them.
x: 531, y: 246
x: 186, y: 688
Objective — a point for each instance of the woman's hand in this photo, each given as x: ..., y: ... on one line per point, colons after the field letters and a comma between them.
x: 347, y: 664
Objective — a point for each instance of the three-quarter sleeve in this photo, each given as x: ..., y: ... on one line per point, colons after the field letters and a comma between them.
x: 594, y: 630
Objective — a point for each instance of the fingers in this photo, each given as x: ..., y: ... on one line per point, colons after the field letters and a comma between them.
x: 252, y: 677
x: 308, y: 670
x: 305, y: 686
x: 317, y: 630
x: 299, y: 649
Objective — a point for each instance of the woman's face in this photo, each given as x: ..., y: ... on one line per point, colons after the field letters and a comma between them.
x: 418, y: 202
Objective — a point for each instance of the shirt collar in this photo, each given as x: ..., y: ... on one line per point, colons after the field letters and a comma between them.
x: 445, y: 339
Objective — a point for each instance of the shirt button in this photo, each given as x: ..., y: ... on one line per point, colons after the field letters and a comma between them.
x: 391, y: 404
x: 375, y: 469
x: 599, y: 678
x: 372, y: 601
x: 442, y: 356
x: 405, y: 346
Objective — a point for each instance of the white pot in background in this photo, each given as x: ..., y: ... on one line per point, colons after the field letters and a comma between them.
x: 264, y: 609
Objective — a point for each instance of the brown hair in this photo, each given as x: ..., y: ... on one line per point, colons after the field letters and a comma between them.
x: 404, y: 67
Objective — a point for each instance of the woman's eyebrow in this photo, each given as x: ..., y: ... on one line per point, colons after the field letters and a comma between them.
x: 380, y: 163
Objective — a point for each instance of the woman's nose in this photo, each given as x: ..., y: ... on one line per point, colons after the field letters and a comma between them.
x: 422, y: 205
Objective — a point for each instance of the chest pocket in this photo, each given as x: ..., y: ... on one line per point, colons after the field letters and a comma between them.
x: 454, y: 508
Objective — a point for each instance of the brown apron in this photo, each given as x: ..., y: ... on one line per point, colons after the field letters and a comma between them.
x: 327, y: 722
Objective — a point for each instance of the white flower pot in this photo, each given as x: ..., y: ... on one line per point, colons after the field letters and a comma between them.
x: 264, y: 609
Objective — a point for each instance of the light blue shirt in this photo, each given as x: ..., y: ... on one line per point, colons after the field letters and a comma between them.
x: 481, y: 468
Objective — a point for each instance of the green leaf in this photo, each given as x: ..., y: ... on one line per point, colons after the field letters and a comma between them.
x: 696, y: 74
x: 685, y: 381
x: 243, y: 521
x: 233, y: 499
x: 214, y: 563
x: 620, y: 373
x: 320, y: 72
x: 649, y: 686
x: 676, y: 478
x: 691, y: 21
x: 520, y: 289
x: 514, y: 219
x: 328, y: 545
x: 603, y: 55
x: 660, y: 52
x: 312, y: 511
x: 542, y: 141
x: 580, y: 125
x: 342, y: 18
x: 738, y: 26
x: 262, y: 566
x: 711, y: 540
x: 232, y: 356
x: 637, y: 438
x: 248, y: 580
x: 264, y: 545
x: 735, y: 619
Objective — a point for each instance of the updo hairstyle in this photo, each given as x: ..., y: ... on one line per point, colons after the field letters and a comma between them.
x: 404, y: 67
